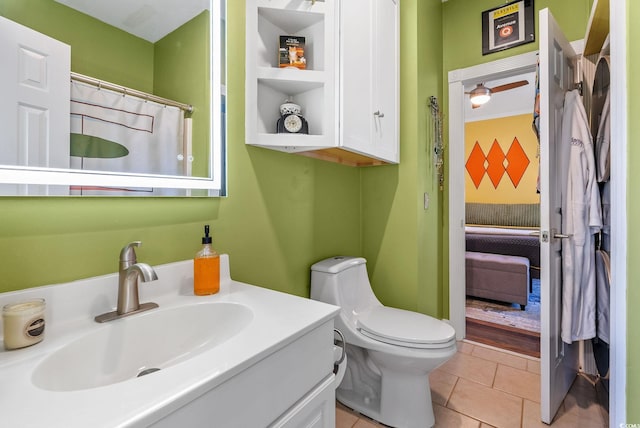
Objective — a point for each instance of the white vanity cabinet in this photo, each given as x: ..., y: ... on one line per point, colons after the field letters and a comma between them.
x: 349, y: 90
x: 292, y: 388
x: 369, y: 58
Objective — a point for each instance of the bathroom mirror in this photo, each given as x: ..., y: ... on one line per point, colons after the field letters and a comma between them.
x: 145, y: 106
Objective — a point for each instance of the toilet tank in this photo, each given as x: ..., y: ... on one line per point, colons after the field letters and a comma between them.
x: 342, y: 281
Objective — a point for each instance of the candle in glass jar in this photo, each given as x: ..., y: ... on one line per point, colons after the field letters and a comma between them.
x: 23, y: 323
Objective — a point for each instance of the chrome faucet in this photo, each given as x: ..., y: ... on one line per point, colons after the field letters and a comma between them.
x: 128, y: 275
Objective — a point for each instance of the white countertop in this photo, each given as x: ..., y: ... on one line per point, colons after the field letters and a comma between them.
x: 278, y: 319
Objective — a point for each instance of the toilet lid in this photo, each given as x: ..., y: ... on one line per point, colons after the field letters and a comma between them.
x: 405, y: 328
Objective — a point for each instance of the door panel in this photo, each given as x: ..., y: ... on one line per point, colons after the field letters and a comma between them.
x: 558, y: 360
x: 35, y: 81
x: 35, y: 88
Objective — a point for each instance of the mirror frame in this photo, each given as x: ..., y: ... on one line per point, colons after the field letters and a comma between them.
x: 214, y: 184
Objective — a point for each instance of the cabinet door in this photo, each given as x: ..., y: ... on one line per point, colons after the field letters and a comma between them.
x: 356, y: 74
x: 386, y: 80
x: 369, y: 77
x: 316, y: 410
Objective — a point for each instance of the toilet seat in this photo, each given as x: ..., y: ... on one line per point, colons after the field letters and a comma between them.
x: 405, y: 328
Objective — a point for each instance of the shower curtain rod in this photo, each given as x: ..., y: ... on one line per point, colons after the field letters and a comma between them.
x: 128, y: 91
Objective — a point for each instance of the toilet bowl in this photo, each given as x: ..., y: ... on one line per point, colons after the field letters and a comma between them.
x: 390, y: 351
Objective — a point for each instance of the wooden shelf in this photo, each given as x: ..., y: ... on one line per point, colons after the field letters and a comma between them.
x: 597, y: 28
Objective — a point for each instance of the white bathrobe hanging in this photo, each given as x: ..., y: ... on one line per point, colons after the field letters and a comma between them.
x: 581, y: 219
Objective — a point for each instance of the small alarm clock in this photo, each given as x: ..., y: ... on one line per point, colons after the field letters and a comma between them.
x: 291, y: 120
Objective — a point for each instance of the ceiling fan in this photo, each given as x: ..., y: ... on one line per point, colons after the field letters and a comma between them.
x: 481, y: 94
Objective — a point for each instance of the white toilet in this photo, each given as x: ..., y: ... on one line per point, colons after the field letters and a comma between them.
x: 390, y: 351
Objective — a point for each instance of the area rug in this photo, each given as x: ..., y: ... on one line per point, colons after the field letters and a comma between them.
x: 508, y: 314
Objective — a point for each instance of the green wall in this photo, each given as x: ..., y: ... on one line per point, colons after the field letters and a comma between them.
x: 633, y: 207
x: 283, y: 213
x: 402, y: 240
x: 182, y: 73
x: 462, y: 29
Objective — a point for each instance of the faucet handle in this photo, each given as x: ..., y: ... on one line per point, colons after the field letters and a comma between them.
x: 128, y: 253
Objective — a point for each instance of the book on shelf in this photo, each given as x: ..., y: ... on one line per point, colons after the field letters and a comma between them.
x: 291, y: 52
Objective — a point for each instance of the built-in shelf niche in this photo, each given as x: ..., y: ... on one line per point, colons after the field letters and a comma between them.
x: 275, y: 85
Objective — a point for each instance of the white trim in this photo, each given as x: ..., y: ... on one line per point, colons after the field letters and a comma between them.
x: 619, y: 135
x: 456, y: 208
x: 494, y: 70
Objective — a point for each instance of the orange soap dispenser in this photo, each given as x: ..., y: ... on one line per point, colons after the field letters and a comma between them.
x: 206, y: 268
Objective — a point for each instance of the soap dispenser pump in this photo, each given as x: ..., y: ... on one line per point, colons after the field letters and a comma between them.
x: 206, y: 268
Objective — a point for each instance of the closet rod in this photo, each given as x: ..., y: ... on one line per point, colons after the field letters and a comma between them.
x: 128, y: 91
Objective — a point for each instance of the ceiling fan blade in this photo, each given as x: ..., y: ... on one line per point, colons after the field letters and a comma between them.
x: 474, y: 106
x: 508, y: 86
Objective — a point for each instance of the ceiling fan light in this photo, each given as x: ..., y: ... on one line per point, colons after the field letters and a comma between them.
x: 480, y: 95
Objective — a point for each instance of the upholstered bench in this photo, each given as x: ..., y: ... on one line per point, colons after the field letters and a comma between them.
x: 498, y: 277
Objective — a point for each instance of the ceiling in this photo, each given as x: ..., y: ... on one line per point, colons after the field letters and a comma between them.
x: 507, y: 103
x: 148, y: 19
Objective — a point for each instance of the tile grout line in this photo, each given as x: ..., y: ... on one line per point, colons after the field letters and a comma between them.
x: 451, y: 393
x: 495, y: 374
x: 522, y: 413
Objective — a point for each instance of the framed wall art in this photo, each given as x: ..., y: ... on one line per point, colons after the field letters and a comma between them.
x: 507, y: 26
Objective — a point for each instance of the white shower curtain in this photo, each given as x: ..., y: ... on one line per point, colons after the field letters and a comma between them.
x: 133, y: 135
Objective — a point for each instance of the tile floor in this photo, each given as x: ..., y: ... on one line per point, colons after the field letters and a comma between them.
x: 482, y: 387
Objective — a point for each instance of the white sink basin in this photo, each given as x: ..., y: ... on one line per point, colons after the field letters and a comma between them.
x: 122, y: 349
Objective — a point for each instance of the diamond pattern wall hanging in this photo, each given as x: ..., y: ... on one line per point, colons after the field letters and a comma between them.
x: 496, y: 163
x: 518, y: 162
x: 496, y: 168
x: 475, y: 165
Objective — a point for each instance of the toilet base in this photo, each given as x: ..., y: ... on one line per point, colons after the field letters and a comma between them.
x: 418, y: 413
x: 397, y: 399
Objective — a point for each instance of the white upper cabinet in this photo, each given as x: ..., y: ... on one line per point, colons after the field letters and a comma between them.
x: 369, y: 77
x: 348, y: 89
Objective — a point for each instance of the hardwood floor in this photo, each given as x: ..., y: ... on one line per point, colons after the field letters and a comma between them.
x: 504, y: 337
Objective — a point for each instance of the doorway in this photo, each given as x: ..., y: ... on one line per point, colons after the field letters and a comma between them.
x: 459, y: 80
x: 502, y: 214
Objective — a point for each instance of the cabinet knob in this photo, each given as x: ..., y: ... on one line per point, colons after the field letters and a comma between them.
x: 378, y: 113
